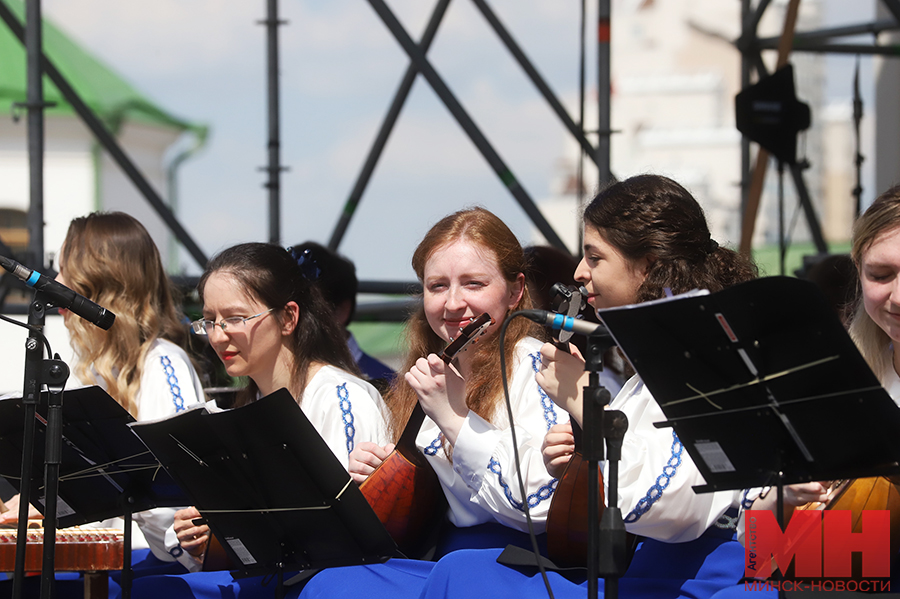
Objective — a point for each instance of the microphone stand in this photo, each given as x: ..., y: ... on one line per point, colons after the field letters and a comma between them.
x: 58, y: 373
x: 606, y: 539
x: 55, y: 373
x: 31, y: 393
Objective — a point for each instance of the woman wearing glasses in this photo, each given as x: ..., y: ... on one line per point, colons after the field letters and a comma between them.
x: 469, y: 263
x: 267, y: 321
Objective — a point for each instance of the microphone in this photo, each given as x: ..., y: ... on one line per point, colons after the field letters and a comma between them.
x: 561, y: 322
x: 61, y: 296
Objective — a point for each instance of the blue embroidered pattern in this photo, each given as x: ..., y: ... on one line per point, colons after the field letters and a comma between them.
x: 546, y: 402
x: 435, y: 445
x: 746, y: 503
x: 662, y: 481
x: 177, y: 399
x: 346, y: 415
x: 542, y: 494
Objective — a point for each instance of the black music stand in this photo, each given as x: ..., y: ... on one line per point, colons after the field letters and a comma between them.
x: 269, y: 487
x: 105, y: 470
x: 762, y: 384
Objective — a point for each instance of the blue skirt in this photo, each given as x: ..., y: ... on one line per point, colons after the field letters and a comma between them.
x: 395, y: 579
x: 206, y: 585
x: 694, y: 570
x: 403, y: 578
x: 70, y: 585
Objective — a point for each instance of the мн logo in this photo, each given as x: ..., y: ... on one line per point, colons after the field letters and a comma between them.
x: 821, y: 544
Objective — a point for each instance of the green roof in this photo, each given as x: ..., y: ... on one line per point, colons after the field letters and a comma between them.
x: 112, y: 98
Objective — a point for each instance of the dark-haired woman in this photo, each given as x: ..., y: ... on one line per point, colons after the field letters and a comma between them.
x: 643, y: 238
x: 268, y: 322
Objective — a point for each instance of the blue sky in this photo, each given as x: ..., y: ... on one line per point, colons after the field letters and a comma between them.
x: 204, y: 60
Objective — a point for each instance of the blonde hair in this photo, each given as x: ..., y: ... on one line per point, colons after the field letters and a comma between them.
x: 881, y: 217
x: 484, y: 388
x: 110, y: 259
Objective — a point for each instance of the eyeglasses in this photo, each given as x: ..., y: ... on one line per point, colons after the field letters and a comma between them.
x: 233, y: 324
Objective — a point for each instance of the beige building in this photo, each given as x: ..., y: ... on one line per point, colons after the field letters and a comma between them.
x: 79, y: 177
x: 675, y: 74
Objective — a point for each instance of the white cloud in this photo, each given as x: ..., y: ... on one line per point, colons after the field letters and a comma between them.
x: 340, y: 66
x: 163, y: 36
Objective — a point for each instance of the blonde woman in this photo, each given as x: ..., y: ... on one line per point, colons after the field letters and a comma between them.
x: 111, y: 259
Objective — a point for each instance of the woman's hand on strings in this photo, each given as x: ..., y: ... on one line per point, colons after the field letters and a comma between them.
x: 442, y: 393
x: 562, y: 377
x: 191, y: 537
x: 795, y: 495
x: 365, y: 457
x: 557, y: 448
x: 803, y: 493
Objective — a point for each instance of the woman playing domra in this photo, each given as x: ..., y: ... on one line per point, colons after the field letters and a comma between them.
x: 642, y: 237
x: 875, y: 328
x: 469, y: 263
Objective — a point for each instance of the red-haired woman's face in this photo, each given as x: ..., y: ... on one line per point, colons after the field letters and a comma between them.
x: 610, y: 279
x: 462, y: 281
x: 879, y: 277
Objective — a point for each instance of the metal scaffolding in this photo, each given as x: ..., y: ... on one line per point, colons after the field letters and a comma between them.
x: 749, y: 44
x: 419, y: 63
x: 827, y: 40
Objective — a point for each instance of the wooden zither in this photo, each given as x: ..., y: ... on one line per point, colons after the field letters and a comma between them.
x: 93, y: 551
x: 77, y: 549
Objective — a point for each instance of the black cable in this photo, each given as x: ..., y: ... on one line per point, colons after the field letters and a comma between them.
x: 515, y: 444
x: 31, y: 328
x: 581, y: 191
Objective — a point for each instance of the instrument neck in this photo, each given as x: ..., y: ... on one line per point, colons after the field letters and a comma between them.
x: 406, y: 445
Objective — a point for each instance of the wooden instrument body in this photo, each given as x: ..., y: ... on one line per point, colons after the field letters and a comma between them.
x: 404, y: 491
x: 858, y: 495
x: 215, y: 558
x: 567, y: 518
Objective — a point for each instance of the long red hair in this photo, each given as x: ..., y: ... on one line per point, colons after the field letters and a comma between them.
x: 484, y: 389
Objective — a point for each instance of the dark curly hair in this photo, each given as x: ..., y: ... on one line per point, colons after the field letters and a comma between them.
x: 653, y: 216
